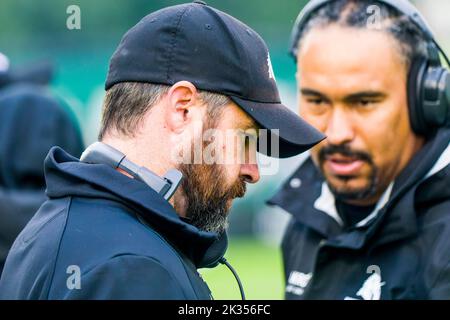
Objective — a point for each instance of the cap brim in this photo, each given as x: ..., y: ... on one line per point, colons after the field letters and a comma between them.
x: 295, y: 135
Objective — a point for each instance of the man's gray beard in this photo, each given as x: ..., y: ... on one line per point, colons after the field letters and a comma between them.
x: 207, y: 207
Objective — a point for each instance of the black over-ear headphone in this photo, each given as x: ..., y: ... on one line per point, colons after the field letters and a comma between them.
x: 101, y: 153
x: 428, y: 81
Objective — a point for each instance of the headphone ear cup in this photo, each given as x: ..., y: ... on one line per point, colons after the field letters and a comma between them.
x: 436, y: 100
x: 446, y: 97
x: 415, y: 92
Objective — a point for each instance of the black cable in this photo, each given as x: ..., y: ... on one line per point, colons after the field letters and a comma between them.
x: 443, y: 52
x: 241, y: 289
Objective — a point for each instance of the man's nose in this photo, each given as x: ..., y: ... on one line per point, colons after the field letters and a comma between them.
x: 250, y: 173
x: 339, y: 128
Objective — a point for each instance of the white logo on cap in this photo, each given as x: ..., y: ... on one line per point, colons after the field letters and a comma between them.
x: 269, y: 65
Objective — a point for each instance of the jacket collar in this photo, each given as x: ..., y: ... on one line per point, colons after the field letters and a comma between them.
x: 313, y: 204
x: 309, y: 201
x: 399, y: 218
x: 67, y: 176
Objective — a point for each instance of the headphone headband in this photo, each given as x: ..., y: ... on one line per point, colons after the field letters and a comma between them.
x: 402, y: 6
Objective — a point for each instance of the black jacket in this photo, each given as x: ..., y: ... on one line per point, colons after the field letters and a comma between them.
x: 401, y: 251
x: 121, y: 237
x: 31, y: 122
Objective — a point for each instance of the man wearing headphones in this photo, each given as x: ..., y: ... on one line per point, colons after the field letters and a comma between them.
x: 371, y: 206
x: 116, y: 226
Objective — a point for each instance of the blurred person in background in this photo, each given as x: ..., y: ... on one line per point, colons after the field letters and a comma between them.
x: 371, y: 205
x: 31, y: 122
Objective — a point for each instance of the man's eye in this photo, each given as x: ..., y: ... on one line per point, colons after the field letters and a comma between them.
x: 365, y: 102
x: 317, y: 101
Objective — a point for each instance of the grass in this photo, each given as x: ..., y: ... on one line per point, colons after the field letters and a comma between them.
x: 259, y: 267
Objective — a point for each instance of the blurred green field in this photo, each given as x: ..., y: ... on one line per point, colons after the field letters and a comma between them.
x: 259, y: 267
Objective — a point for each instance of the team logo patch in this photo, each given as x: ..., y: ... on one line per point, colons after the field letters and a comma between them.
x: 371, y: 288
x: 297, y: 282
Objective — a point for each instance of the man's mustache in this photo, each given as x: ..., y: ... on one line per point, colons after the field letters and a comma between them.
x: 345, y: 151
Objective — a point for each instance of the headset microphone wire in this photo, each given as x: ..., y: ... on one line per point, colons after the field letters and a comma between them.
x: 442, y: 51
x: 241, y: 289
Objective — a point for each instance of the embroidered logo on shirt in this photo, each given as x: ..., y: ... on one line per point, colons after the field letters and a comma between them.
x: 297, y: 282
x: 371, y: 288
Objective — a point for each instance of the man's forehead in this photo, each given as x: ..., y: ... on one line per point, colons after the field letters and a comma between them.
x: 344, y: 83
x: 350, y: 62
x: 334, y: 48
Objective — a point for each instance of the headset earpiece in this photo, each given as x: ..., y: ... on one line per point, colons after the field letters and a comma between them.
x: 436, y: 93
x: 101, y: 153
x: 428, y: 96
x: 415, y: 81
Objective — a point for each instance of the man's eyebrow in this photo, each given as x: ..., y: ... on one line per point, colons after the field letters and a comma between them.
x: 308, y: 91
x: 351, y: 97
x: 312, y: 92
x: 365, y: 94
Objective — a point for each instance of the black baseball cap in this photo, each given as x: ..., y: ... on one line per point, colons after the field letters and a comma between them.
x: 216, y: 53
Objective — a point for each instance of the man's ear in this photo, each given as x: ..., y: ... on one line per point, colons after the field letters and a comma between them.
x: 181, y: 109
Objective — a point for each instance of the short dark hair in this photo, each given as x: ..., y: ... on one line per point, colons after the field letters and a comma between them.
x: 354, y: 13
x: 126, y: 103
